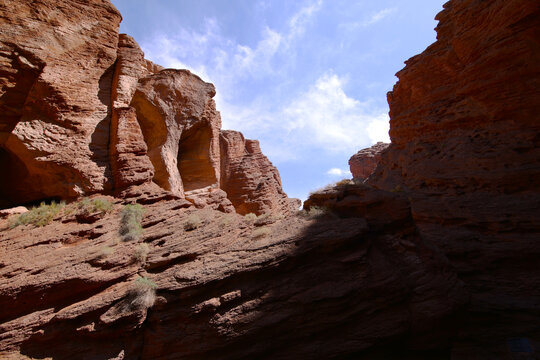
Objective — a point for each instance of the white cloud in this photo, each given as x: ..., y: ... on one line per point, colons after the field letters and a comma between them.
x: 327, y: 117
x: 372, y: 19
x: 378, y: 16
x: 378, y: 129
x: 339, y: 172
x: 298, y: 22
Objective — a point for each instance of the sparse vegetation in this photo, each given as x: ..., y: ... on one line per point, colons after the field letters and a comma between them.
x: 105, y: 251
x: 251, y: 217
x: 265, y: 219
x: 344, y: 182
x: 143, y: 293
x: 130, y: 223
x: 141, y: 252
x: 315, y: 212
x: 261, y: 232
x: 38, y: 216
x: 96, y: 205
x: 192, y: 222
x: 397, y: 189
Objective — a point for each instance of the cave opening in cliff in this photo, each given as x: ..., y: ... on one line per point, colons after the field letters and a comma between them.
x: 194, y: 158
x: 13, y: 184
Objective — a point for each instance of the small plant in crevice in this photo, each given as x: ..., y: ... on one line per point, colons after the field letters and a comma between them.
x: 251, y: 217
x: 192, y: 222
x: 142, y: 294
x: 105, y: 251
x: 261, y: 232
x: 38, y: 216
x: 141, y: 252
x: 130, y: 222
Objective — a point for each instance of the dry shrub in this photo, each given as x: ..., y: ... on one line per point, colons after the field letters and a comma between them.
x: 192, y: 222
x: 38, y: 216
x: 261, y: 232
x: 130, y: 223
x: 142, y: 295
x: 141, y: 252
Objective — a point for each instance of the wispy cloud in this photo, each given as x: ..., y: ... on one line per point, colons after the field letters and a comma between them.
x: 370, y: 20
x: 299, y: 21
x: 337, y: 172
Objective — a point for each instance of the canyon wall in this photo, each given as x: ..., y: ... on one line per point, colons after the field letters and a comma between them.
x: 465, y: 131
x: 85, y: 112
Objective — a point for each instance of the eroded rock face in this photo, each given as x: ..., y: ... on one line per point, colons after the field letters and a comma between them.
x: 364, y: 162
x: 466, y: 149
x: 56, y: 68
x: 251, y: 181
x: 181, y: 128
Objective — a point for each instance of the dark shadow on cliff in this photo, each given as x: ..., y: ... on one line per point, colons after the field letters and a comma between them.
x: 99, y: 144
x: 345, y: 286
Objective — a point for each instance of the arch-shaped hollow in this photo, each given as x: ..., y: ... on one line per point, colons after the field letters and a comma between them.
x: 194, y: 159
x: 14, y: 186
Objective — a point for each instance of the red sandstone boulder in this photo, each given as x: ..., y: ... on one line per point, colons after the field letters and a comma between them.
x: 364, y: 162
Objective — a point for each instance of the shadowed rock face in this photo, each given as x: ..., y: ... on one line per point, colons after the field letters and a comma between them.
x: 229, y: 288
x: 465, y: 149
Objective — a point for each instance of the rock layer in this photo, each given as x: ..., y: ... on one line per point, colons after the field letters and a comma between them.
x: 364, y: 162
x: 227, y: 287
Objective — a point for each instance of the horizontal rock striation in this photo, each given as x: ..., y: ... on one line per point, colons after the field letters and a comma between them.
x: 227, y: 287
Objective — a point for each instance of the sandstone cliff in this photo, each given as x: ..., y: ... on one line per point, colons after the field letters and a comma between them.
x: 86, y: 113
x: 465, y: 151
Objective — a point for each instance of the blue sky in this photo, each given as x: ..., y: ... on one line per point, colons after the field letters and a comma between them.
x: 307, y: 78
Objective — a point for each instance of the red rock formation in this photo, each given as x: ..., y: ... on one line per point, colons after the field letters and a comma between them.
x: 181, y: 127
x: 300, y: 288
x: 118, y: 120
x: 129, y: 163
x: 365, y: 161
x: 466, y: 149
x: 56, y: 67
x: 251, y: 181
